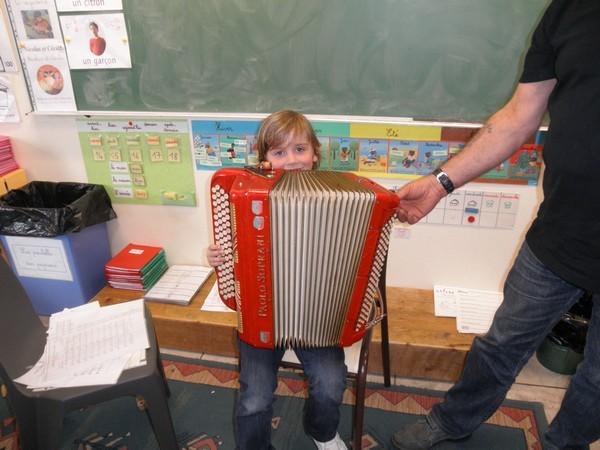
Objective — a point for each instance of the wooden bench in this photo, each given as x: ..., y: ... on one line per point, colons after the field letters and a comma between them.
x: 421, y: 345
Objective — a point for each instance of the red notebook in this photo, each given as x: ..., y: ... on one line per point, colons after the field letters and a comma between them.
x: 133, y: 258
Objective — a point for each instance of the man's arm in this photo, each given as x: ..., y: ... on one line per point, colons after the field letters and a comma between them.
x: 500, y: 137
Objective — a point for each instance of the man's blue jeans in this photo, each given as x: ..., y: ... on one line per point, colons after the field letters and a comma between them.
x: 535, y: 299
x: 326, y: 372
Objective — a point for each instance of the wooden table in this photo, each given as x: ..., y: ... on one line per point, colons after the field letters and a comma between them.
x: 184, y: 327
x: 421, y: 345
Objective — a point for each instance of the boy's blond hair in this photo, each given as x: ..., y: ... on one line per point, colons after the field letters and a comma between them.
x: 276, y: 129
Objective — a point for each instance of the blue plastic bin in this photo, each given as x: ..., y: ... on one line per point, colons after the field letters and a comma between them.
x: 85, y: 254
x: 56, y: 239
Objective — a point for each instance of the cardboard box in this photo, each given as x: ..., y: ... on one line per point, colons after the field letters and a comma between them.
x: 12, y: 180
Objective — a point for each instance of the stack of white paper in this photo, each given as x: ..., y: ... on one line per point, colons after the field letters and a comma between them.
x: 474, y: 309
x: 179, y: 284
x: 90, y: 345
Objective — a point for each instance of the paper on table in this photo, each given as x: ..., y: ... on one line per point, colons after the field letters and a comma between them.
x: 476, y: 310
x: 179, y: 284
x: 213, y: 301
x: 444, y: 301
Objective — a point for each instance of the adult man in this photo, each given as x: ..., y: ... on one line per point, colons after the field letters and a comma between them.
x: 560, y: 258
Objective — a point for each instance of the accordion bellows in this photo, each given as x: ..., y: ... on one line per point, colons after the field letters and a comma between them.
x: 304, y: 253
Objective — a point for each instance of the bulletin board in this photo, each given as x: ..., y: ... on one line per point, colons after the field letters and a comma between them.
x: 139, y: 161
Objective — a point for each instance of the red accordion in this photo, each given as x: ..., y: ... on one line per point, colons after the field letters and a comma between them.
x: 304, y: 253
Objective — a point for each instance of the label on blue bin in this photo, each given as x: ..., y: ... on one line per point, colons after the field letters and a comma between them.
x: 39, y: 257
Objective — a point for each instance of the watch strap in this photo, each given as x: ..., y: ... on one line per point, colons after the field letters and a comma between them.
x: 444, y: 180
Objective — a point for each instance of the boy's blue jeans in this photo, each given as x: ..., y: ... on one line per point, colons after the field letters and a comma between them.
x: 535, y: 299
x: 326, y: 373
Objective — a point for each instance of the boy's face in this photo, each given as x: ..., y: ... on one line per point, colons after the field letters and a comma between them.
x: 294, y: 154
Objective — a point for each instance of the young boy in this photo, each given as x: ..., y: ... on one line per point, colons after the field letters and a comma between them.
x: 287, y: 141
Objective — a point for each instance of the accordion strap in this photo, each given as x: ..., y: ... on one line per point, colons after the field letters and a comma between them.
x: 377, y: 314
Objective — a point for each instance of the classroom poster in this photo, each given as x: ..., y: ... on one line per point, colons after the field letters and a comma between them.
x: 526, y: 162
x: 36, y: 23
x: 382, y: 150
x: 233, y: 149
x: 139, y: 161
x: 324, y: 163
x: 343, y: 154
x: 373, y: 155
x: 479, y: 209
x: 206, y: 151
x: 88, y: 5
x: 8, y: 62
x: 403, y: 157
x: 97, y: 41
x: 43, y: 55
x: 219, y: 144
x: 50, y: 79
x: 8, y: 104
x: 252, y: 150
x: 431, y: 156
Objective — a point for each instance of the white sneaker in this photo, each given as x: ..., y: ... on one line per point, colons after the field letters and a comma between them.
x: 335, y: 444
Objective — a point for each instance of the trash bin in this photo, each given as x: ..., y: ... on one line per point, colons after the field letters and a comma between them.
x: 56, y: 239
x: 562, y: 350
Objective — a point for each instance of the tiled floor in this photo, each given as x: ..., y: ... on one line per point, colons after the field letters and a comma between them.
x: 535, y: 383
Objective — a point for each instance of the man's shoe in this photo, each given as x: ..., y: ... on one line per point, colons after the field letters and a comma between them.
x: 335, y: 444
x: 421, y: 436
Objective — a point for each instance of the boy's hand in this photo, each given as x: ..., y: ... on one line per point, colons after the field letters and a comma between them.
x: 215, y: 255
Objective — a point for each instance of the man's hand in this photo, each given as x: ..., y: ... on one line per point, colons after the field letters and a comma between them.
x: 418, y: 198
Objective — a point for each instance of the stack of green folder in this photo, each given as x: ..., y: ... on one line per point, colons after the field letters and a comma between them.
x: 136, y: 267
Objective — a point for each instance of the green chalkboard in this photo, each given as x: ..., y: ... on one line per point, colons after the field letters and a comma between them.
x: 435, y: 59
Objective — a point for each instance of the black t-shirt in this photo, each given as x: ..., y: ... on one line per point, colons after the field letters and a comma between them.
x: 566, y: 232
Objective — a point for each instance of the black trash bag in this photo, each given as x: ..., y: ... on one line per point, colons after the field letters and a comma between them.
x: 48, y: 209
x: 572, y: 329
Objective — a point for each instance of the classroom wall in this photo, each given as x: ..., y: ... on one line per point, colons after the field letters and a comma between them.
x: 47, y: 148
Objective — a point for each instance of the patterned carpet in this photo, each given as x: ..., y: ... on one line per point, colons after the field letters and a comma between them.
x: 202, y: 404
